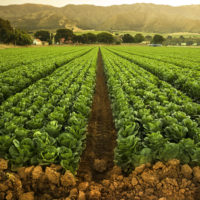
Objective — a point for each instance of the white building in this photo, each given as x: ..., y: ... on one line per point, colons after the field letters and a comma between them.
x: 37, y: 42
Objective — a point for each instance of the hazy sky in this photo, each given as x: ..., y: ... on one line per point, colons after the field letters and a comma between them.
x: 59, y: 3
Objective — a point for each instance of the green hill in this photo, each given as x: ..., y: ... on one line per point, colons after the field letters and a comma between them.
x: 138, y: 17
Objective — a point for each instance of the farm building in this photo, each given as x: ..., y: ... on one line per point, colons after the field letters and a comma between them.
x: 145, y: 42
x: 37, y: 42
x: 63, y: 41
x: 183, y: 44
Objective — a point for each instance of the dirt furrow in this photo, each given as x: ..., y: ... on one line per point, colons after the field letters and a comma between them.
x: 97, y: 159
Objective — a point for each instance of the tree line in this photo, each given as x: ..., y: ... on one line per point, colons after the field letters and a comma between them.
x: 138, y: 38
x: 159, y: 39
x: 181, y: 40
x: 10, y: 35
x: 105, y: 37
x: 67, y: 36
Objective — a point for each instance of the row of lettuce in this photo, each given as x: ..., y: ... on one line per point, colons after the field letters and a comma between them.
x: 154, y: 120
x: 18, y: 77
x: 162, y: 55
x: 46, y: 122
x: 17, y: 57
x: 184, y: 57
x: 186, y: 79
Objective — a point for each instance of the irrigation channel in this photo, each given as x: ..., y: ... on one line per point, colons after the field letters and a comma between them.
x: 97, y: 159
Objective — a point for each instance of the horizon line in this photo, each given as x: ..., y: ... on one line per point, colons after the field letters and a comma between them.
x: 81, y: 4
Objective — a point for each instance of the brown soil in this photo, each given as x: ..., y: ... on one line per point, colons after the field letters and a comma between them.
x: 4, y: 46
x: 97, y: 159
x: 162, y: 181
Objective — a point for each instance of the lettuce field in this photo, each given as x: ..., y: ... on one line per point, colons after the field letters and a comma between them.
x: 97, y: 113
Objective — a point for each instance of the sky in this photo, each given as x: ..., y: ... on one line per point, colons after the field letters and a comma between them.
x: 60, y: 3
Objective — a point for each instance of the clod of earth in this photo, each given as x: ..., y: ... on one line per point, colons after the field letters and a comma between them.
x: 100, y: 165
x: 162, y: 181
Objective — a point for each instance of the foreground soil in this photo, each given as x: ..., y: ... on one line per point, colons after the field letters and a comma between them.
x: 169, y: 181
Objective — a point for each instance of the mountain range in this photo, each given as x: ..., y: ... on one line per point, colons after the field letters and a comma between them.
x: 137, y: 17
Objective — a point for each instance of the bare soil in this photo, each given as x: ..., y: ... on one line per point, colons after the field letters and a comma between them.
x: 97, y: 159
x: 5, y: 46
x: 162, y: 181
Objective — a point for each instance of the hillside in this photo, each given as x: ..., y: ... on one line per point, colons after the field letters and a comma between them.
x: 138, y: 17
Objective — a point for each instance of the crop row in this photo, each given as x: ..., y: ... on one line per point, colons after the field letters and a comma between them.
x: 13, y: 58
x: 181, y: 62
x: 184, y: 79
x: 154, y: 120
x: 46, y: 123
x: 15, y: 80
x: 184, y: 54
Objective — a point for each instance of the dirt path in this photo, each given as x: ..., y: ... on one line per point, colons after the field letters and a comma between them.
x: 98, y: 156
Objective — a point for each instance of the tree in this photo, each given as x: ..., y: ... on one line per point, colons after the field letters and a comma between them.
x: 105, y: 38
x: 148, y: 37
x: 118, y: 39
x: 88, y: 38
x: 6, y: 31
x: 22, y: 38
x: 198, y: 41
x: 127, y: 38
x: 169, y: 37
x: 77, y: 38
x: 189, y: 42
x: 91, y: 38
x: 43, y: 35
x: 67, y: 34
x: 8, y: 34
x: 139, y: 38
x: 158, y: 39
x: 84, y: 38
